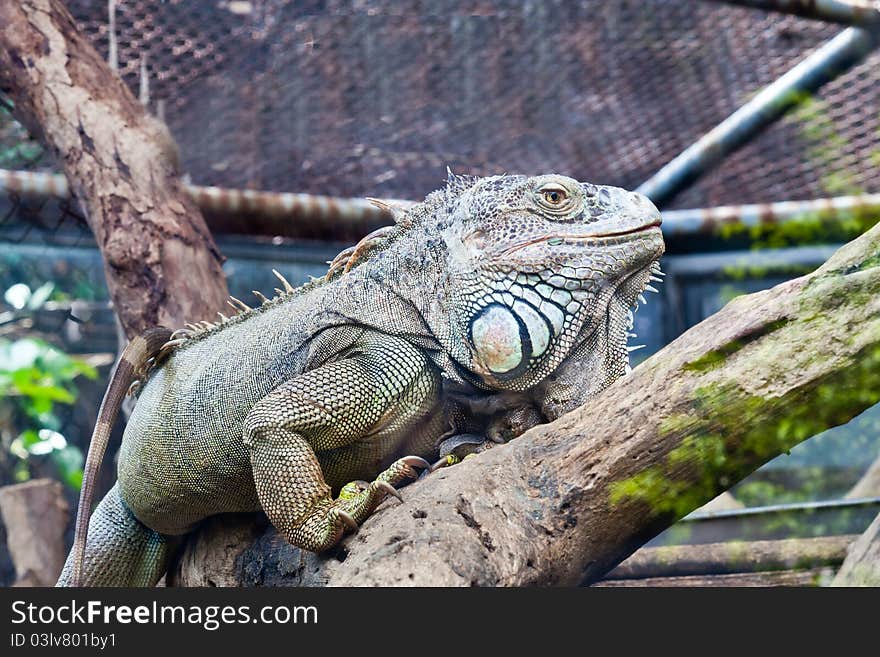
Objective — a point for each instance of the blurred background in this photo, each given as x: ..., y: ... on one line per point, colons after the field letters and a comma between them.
x: 370, y: 98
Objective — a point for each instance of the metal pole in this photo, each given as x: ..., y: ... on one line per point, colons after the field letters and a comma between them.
x: 838, y: 55
x: 242, y: 210
x: 854, y: 12
x: 293, y: 215
x: 679, y: 223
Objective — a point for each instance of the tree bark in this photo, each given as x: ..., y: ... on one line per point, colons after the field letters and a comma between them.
x: 567, y: 501
x: 161, y: 263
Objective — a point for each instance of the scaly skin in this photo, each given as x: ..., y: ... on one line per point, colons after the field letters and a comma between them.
x: 496, y: 304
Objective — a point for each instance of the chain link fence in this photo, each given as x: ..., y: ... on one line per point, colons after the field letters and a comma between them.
x: 375, y: 98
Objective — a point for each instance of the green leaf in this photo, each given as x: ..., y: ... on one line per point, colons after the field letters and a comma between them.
x: 19, y: 354
x: 69, y: 462
x: 40, y: 295
x: 17, y: 296
x: 29, y: 438
x: 21, y: 472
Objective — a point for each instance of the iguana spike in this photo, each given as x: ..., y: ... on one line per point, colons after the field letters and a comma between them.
x: 278, y: 292
x: 340, y: 260
x: 238, y: 304
x: 398, y: 214
x: 260, y: 296
x: 180, y: 333
x: 172, y: 343
x: 456, y: 183
x: 365, y: 243
x: 193, y: 327
x: 287, y: 286
x: 223, y: 318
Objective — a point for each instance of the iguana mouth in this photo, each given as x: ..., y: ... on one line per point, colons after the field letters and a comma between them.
x: 580, y: 237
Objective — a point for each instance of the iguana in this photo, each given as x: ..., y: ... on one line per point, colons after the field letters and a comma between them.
x: 496, y: 304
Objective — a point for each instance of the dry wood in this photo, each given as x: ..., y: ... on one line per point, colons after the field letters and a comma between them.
x: 161, y: 263
x: 35, y: 515
x: 811, y: 577
x: 862, y: 564
x: 869, y: 483
x: 734, y: 557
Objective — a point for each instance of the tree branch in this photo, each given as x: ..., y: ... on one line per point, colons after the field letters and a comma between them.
x: 161, y: 263
x: 862, y: 564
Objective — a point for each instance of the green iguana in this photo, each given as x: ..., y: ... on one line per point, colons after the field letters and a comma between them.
x: 496, y: 304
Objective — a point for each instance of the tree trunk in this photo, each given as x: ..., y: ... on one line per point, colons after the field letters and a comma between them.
x: 161, y: 263
x: 567, y: 501
x: 35, y: 515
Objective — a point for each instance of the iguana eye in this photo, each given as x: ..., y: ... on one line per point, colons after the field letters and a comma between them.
x: 553, y: 197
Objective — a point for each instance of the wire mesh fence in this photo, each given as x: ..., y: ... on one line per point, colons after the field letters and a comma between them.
x: 314, y: 97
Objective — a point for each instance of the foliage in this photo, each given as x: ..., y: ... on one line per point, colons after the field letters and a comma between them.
x: 17, y: 149
x: 35, y: 377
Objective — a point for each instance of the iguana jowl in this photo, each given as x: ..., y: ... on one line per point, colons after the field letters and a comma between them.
x: 496, y: 304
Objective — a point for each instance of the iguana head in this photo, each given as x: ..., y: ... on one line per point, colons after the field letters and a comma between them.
x: 534, y: 266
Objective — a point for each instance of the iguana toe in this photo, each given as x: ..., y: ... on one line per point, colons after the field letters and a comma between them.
x: 359, y: 499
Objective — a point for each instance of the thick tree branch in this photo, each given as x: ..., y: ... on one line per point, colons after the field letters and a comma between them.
x: 161, y: 263
x: 567, y: 501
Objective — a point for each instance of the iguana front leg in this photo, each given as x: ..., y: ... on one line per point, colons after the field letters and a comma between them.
x: 383, y: 384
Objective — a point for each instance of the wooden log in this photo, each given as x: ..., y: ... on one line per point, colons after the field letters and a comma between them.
x: 35, y: 515
x: 811, y: 577
x: 734, y: 557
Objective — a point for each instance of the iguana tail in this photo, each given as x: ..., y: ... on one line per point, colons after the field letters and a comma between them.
x: 132, y: 361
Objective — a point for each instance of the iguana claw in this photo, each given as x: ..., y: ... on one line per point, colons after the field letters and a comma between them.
x: 416, y: 462
x: 347, y: 520
x: 388, y: 488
